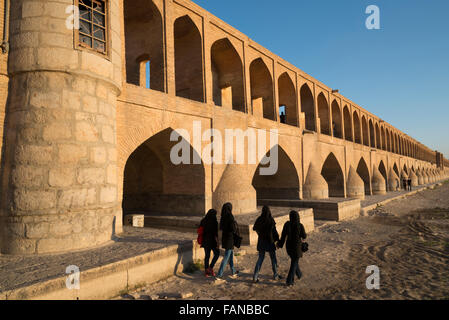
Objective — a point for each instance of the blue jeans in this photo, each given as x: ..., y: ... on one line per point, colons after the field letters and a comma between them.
x: 207, y: 257
x: 294, y: 269
x: 274, y: 263
x: 228, y: 256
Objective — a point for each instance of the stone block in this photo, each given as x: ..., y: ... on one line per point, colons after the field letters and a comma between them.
x: 135, y: 220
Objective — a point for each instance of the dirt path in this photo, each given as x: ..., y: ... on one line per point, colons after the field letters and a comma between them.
x: 407, y: 239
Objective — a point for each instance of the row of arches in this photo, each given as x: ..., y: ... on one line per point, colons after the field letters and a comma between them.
x: 146, y: 64
x: 152, y: 183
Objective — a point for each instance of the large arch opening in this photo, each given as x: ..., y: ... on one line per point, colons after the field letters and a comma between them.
x: 188, y: 60
x: 357, y: 131
x: 372, y: 135
x: 144, y: 45
x: 396, y: 170
x: 227, y: 75
x: 287, y: 99
x: 282, y: 185
x: 336, y: 120
x: 307, y: 106
x: 378, y: 138
x: 154, y: 185
x: 333, y: 175
x: 348, y: 124
x: 261, y: 89
x: 383, y: 138
x: 363, y: 172
x: 323, y: 114
x: 388, y: 134
x: 365, y: 132
x: 383, y: 172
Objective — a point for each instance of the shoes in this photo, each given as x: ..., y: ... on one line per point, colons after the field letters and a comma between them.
x: 255, y: 280
x: 207, y: 273
x: 289, y: 284
x: 219, y: 280
x: 211, y: 272
x: 235, y: 275
x: 277, y: 277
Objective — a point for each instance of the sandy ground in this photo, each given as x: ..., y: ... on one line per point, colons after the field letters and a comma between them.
x: 407, y: 239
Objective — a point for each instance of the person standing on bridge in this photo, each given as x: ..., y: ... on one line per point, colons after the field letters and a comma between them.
x: 293, y: 232
x: 229, y: 229
x: 210, y: 241
x: 265, y: 227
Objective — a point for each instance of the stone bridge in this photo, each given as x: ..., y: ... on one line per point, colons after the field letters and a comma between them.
x: 87, y: 132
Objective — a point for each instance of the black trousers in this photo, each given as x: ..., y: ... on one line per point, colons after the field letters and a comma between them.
x: 294, y: 270
x: 207, y: 257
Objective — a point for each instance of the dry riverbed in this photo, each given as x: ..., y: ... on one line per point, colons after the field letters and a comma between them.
x: 407, y: 239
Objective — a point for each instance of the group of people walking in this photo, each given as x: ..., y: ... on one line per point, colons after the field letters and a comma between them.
x: 293, y: 234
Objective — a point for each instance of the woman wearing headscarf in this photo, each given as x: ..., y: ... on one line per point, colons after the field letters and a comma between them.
x: 210, y: 240
x: 293, y: 232
x: 265, y: 227
x: 229, y: 227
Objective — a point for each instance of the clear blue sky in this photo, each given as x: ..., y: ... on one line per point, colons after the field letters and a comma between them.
x: 400, y: 73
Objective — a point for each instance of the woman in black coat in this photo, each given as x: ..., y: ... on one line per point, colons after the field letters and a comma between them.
x: 210, y: 240
x: 293, y: 232
x: 229, y: 227
x: 265, y: 227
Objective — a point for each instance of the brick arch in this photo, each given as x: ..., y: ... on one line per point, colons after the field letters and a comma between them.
x: 287, y: 98
x: 284, y: 184
x: 332, y: 172
x: 227, y: 75
x: 323, y: 114
x: 189, y: 69
x: 363, y: 170
x: 308, y: 106
x: 153, y: 183
x: 337, y: 126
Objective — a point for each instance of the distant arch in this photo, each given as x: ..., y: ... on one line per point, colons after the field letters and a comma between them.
x: 333, y: 174
x: 308, y: 107
x: 378, y: 138
x: 323, y: 113
x: 372, y: 134
x: 357, y: 129
x: 336, y: 120
x: 363, y: 172
x: 383, y: 171
x: 348, y: 124
x: 365, y: 132
x: 396, y: 170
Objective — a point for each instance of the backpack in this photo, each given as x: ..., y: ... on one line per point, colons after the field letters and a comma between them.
x: 200, y: 232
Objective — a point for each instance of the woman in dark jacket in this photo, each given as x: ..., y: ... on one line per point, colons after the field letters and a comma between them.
x: 265, y: 227
x: 210, y: 240
x: 294, y: 232
x: 229, y: 227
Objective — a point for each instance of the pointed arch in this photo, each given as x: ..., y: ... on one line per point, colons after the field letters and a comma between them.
x: 308, y: 106
x: 323, y: 114
x: 348, y: 124
x: 144, y: 44
x: 372, y: 134
x: 261, y: 89
x: 188, y: 60
x: 378, y: 137
x: 383, y: 171
x: 365, y: 131
x: 396, y: 170
x: 287, y: 98
x: 227, y: 75
x: 153, y: 184
x: 336, y: 120
x: 282, y: 185
x: 357, y: 129
x: 363, y: 172
x: 333, y: 174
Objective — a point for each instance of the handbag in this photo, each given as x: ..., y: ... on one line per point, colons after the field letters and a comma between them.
x: 237, y: 240
x: 304, y: 247
x: 200, y: 232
